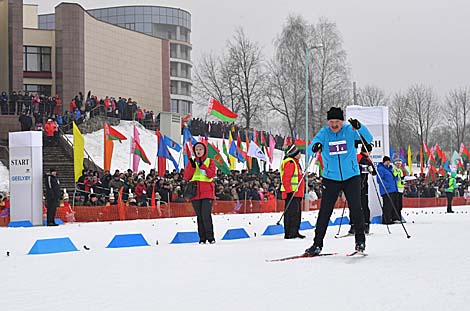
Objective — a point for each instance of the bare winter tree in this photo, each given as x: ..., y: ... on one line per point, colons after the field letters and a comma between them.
x: 213, y: 79
x: 458, y: 103
x: 285, y: 92
x: 424, y: 112
x: 245, y: 67
x: 399, y: 109
x: 331, y: 83
x: 371, y: 96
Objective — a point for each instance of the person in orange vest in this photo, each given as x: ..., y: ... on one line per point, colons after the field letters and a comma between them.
x: 293, y: 189
x: 201, y: 170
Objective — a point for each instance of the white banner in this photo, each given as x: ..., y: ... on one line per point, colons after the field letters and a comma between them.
x: 26, y: 176
x: 376, y: 120
x: 255, y: 152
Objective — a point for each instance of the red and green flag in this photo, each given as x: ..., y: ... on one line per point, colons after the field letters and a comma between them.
x: 213, y: 153
x: 113, y: 134
x: 139, y: 151
x: 218, y: 110
x: 464, y: 152
x: 460, y: 167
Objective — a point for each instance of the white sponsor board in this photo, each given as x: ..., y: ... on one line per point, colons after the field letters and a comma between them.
x: 376, y: 120
x: 26, y: 176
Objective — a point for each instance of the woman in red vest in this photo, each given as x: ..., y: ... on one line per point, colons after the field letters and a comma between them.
x: 201, y: 170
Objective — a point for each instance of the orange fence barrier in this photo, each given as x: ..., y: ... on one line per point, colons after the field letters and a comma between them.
x: 172, y: 210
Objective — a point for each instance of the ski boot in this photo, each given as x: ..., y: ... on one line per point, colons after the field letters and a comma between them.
x: 312, y: 251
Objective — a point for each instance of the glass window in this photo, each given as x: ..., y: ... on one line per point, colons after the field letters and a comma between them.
x: 121, y: 11
x: 163, y: 11
x: 104, y: 13
x: 162, y: 19
x: 50, y: 18
x: 121, y: 19
x: 37, y: 59
x: 173, y: 50
x: 139, y: 27
x: 147, y: 27
x: 104, y: 18
x: 139, y: 10
x: 174, y: 105
x: 130, y: 10
x: 147, y: 18
x: 130, y: 26
x: 113, y: 19
x: 155, y: 19
x: 130, y: 18
x: 38, y: 88
x: 173, y: 69
x: 139, y: 18
x: 155, y: 11
x: 147, y: 10
x: 173, y: 87
x: 112, y: 12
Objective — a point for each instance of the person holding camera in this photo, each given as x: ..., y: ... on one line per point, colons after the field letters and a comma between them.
x: 201, y: 171
x: 337, y: 144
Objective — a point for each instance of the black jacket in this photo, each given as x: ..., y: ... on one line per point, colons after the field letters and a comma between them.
x: 52, y: 188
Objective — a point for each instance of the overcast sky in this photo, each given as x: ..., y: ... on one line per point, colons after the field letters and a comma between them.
x: 390, y: 44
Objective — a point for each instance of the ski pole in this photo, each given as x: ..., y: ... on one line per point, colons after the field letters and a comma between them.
x: 292, y: 197
x: 341, y: 219
x: 388, y: 194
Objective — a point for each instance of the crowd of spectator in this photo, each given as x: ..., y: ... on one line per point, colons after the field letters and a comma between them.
x: 138, y: 187
x: 425, y: 188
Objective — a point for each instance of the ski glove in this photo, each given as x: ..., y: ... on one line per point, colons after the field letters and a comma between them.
x: 193, y: 163
x: 355, y: 123
x: 316, y: 147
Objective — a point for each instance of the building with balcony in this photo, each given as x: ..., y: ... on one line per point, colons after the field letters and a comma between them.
x: 167, y: 23
x: 142, y: 52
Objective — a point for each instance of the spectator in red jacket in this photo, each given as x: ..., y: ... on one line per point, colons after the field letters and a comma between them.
x: 141, y: 192
x: 49, y: 129
x: 201, y: 170
x: 293, y: 189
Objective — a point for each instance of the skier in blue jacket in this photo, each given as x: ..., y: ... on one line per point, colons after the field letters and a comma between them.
x: 336, y: 141
x: 387, y: 183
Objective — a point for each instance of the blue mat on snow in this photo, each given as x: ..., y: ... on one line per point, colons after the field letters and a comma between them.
x: 185, y: 237
x: 57, y: 221
x: 51, y: 246
x: 306, y: 225
x: 127, y: 240
x: 273, y: 230
x: 338, y: 220
x: 20, y: 223
x: 376, y: 220
x: 235, y: 234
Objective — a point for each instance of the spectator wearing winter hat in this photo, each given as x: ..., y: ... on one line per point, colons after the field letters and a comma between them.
x: 292, y: 188
x: 388, y: 188
x: 337, y: 144
x: 201, y: 170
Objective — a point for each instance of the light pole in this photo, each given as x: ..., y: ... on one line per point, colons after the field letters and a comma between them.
x: 306, y: 113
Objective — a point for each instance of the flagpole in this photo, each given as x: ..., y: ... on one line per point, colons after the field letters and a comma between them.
x: 131, y: 143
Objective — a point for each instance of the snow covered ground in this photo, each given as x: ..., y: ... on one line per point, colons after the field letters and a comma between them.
x: 148, y: 141
x: 427, y: 272
x: 4, y: 178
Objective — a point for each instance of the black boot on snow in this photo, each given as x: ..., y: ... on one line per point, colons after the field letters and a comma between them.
x: 360, y: 247
x: 313, y: 251
x: 366, y: 228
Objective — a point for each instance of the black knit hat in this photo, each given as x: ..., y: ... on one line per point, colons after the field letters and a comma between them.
x: 335, y: 113
x: 292, y: 151
x: 385, y: 159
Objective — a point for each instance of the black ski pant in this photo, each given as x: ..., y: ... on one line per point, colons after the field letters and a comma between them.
x: 398, y: 205
x: 331, y: 189
x: 292, y: 216
x: 51, y: 207
x: 450, y: 196
x: 203, y: 210
x: 387, y: 207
